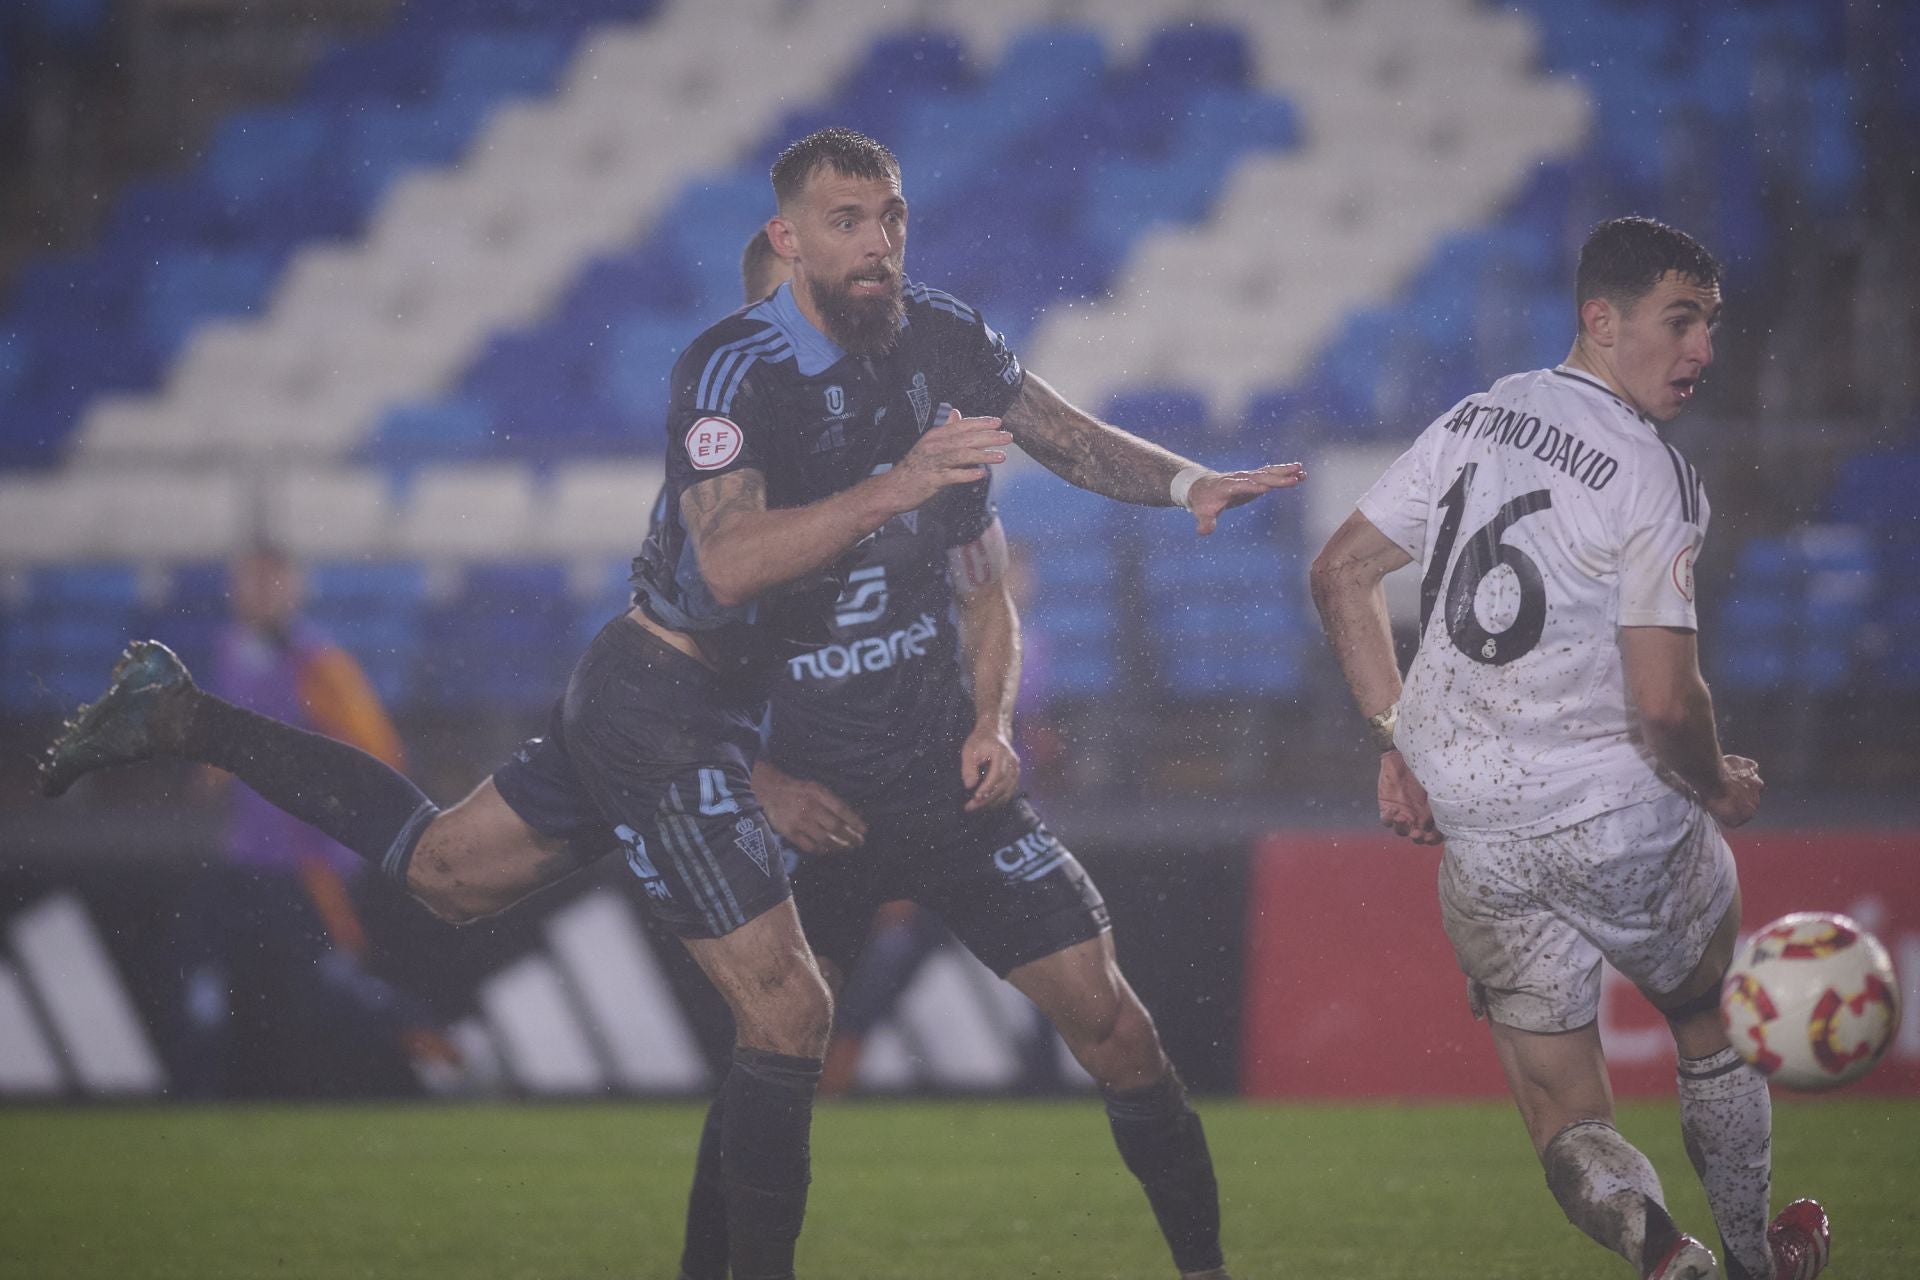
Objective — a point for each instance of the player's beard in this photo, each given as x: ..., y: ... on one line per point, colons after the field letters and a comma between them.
x: 862, y: 326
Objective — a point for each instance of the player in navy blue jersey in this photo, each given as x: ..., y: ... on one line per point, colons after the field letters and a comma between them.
x: 890, y: 766
x: 795, y: 430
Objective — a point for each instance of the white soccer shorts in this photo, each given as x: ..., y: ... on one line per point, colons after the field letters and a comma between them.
x: 1642, y: 888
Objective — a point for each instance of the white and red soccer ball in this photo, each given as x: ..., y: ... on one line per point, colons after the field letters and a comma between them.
x: 1811, y: 1000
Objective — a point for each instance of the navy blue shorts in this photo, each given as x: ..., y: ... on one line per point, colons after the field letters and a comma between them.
x: 1002, y: 882
x: 650, y: 752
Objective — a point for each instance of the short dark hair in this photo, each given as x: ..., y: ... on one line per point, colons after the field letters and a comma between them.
x: 756, y: 265
x: 853, y: 154
x: 1624, y: 258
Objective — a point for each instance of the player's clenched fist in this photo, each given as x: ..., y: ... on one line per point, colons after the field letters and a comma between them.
x: 1217, y: 491
x: 1739, y: 798
x: 958, y: 451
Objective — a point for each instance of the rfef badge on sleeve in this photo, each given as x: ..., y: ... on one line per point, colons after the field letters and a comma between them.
x: 712, y: 443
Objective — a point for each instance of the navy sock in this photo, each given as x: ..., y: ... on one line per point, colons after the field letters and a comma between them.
x: 704, y: 1255
x: 340, y: 790
x: 765, y: 1125
x: 1163, y: 1144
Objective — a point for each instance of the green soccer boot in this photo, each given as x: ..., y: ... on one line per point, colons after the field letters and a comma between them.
x: 143, y: 713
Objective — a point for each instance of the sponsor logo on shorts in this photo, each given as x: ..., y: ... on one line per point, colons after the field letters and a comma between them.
x: 1683, y: 574
x: 875, y: 653
x: 712, y: 443
x: 752, y: 841
x: 641, y: 865
x: 1031, y: 856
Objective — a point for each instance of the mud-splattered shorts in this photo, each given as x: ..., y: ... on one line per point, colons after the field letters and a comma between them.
x: 1641, y: 887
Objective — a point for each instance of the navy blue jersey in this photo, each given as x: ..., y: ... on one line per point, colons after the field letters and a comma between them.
x: 765, y: 390
x: 887, y: 688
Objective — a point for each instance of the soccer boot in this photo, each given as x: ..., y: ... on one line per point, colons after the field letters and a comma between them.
x: 1800, y: 1241
x: 1687, y: 1259
x: 142, y: 714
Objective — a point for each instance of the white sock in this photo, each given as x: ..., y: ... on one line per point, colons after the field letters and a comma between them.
x: 1609, y: 1190
x: 1726, y: 1117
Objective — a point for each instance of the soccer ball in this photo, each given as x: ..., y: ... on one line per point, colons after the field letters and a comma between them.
x: 1811, y: 1000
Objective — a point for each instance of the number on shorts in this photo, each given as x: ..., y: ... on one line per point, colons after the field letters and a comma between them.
x: 716, y: 797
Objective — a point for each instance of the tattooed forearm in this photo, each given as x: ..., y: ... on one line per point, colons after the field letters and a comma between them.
x: 1084, y: 451
x: 706, y: 508
x: 746, y: 550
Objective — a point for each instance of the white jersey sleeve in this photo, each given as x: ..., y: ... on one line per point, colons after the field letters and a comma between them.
x: 1664, y: 524
x: 1399, y: 501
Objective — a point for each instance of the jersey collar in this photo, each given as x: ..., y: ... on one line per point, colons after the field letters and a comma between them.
x: 1576, y: 375
x: 813, y: 351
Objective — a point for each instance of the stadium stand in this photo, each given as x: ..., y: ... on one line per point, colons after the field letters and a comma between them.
x: 417, y: 320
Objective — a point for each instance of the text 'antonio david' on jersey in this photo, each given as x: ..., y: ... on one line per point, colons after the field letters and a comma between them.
x: 765, y: 390
x: 1544, y: 514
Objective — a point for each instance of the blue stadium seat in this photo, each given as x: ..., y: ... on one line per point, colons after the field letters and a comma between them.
x: 186, y: 288
x: 373, y: 610
x: 1175, y: 416
x: 501, y: 641
x: 64, y: 636
x: 1196, y: 54
x: 1080, y: 641
x: 437, y: 430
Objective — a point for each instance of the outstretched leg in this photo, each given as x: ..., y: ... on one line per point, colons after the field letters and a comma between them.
x: 470, y: 861
x: 1604, y: 1185
x: 1161, y: 1139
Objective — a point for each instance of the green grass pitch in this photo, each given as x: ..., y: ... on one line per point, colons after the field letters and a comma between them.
x: 902, y: 1191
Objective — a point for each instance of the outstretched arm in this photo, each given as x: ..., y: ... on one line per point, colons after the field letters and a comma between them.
x: 746, y: 548
x: 990, y: 636
x: 1084, y: 451
x: 1346, y: 580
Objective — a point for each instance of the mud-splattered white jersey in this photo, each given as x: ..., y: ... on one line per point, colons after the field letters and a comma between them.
x: 1544, y: 515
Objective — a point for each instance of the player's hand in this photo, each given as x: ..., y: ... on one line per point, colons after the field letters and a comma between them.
x: 958, y: 451
x: 1740, y: 788
x: 1403, y: 802
x: 807, y: 815
x: 989, y: 768
x: 1219, y: 491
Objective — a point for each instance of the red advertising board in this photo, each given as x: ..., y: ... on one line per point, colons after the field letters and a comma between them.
x: 1352, y: 990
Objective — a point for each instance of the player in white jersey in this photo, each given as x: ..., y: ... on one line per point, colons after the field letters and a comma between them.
x: 1555, y: 732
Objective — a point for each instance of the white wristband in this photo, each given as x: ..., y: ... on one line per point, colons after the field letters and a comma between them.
x: 1183, y: 483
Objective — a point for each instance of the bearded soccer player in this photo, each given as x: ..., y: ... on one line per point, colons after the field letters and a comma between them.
x: 896, y: 783
x: 1555, y: 732
x: 653, y: 742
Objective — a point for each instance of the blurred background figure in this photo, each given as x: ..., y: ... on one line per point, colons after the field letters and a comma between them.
x: 270, y: 947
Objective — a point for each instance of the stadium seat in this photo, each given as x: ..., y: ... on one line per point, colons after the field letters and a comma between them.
x: 372, y: 609
x: 498, y: 642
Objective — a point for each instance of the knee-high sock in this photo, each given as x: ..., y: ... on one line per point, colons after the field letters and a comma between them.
x: 1608, y: 1190
x: 341, y: 790
x: 704, y: 1255
x: 1162, y: 1142
x: 765, y: 1125
x: 1726, y: 1117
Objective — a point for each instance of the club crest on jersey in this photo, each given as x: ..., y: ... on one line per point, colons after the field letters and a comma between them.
x: 837, y: 403
x: 712, y: 443
x: 752, y: 841
x: 922, y: 401
x: 1683, y: 574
